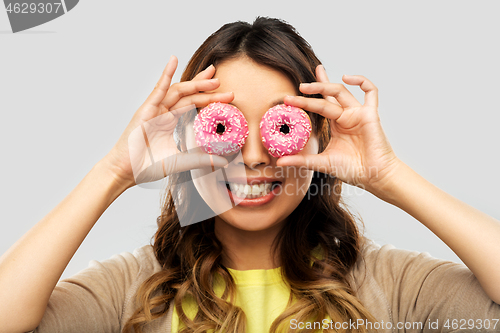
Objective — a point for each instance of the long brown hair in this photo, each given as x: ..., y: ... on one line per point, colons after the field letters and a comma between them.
x: 191, y: 256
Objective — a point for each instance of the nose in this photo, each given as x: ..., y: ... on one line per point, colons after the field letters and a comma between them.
x: 254, y: 153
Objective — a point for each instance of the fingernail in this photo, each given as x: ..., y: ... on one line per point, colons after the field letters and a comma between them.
x: 209, y: 66
x: 323, y: 68
x: 305, y: 84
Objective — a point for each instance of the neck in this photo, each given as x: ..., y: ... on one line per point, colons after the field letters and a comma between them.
x: 244, y: 249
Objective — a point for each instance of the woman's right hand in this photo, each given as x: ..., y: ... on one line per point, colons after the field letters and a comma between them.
x: 133, y: 160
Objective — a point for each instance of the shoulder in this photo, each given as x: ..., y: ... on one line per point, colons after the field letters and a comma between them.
x: 142, y: 261
x: 141, y: 265
x: 401, y: 284
x: 147, y: 263
x: 99, y: 298
x: 387, y: 264
x: 393, y: 268
x: 146, y: 259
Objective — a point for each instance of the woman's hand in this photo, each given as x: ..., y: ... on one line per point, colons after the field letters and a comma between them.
x: 146, y: 151
x: 358, y: 152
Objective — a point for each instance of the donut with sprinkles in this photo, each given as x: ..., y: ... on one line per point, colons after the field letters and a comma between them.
x: 220, y: 129
x: 285, y: 130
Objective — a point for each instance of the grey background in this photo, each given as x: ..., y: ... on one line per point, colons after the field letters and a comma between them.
x: 68, y: 89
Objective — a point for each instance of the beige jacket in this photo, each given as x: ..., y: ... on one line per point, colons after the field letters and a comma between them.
x: 398, y: 287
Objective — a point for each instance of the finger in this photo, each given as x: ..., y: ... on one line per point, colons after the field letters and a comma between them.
x: 371, y: 91
x: 207, y: 73
x: 182, y: 89
x: 168, y: 120
x: 188, y: 161
x: 316, y: 105
x: 316, y: 162
x: 337, y: 90
x: 203, y: 99
x: 176, y: 163
x: 323, y: 77
x: 163, y: 83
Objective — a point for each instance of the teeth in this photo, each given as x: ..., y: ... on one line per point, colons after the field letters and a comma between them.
x: 256, y: 189
x: 250, y: 191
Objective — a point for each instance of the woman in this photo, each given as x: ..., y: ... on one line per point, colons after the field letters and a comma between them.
x: 296, y: 262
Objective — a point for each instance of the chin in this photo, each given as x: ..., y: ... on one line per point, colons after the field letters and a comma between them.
x: 249, y: 222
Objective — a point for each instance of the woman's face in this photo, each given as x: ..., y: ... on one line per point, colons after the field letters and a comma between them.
x: 256, y: 88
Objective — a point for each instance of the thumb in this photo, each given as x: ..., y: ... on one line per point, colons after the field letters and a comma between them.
x: 176, y: 163
x: 181, y: 162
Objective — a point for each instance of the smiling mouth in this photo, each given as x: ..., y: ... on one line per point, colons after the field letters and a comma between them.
x: 246, y: 191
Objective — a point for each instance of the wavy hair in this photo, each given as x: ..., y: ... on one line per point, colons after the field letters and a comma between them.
x: 191, y: 256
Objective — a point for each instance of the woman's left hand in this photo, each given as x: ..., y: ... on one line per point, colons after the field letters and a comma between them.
x: 358, y: 152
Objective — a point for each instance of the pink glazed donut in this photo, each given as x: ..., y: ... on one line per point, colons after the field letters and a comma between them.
x: 220, y: 129
x: 285, y: 130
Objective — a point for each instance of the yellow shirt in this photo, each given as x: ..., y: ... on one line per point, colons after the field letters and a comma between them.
x: 261, y: 293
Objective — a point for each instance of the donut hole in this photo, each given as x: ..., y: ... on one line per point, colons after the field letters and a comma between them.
x: 220, y: 129
x: 284, y: 129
